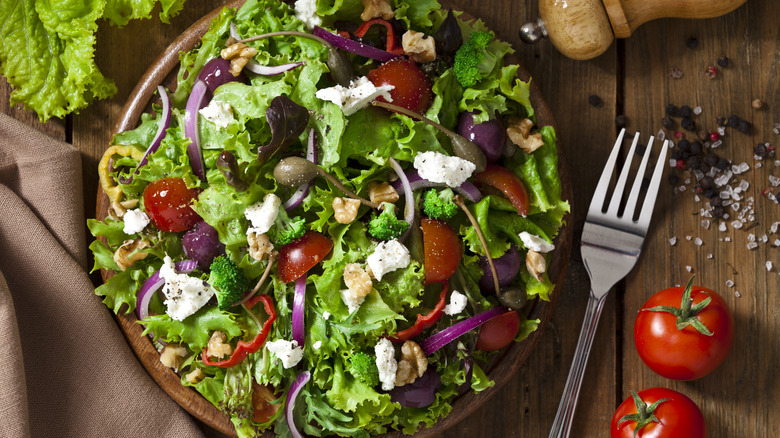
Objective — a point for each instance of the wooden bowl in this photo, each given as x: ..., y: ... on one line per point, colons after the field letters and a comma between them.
x: 501, y: 369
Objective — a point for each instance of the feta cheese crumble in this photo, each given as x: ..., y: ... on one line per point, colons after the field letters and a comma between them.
x: 317, y: 345
x: 218, y: 113
x: 387, y: 257
x: 439, y: 168
x: 535, y: 243
x: 184, y: 295
x: 386, y: 363
x: 352, y: 300
x: 358, y: 95
x: 287, y: 351
x: 135, y: 221
x: 457, y: 303
x: 306, y: 11
x: 262, y: 215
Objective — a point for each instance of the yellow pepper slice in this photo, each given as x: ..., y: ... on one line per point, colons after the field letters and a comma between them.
x: 108, y: 184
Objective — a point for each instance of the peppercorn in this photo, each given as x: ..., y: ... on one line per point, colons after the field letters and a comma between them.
x: 719, y: 211
x: 703, y: 167
x: 673, y: 179
x: 686, y: 154
x: 723, y: 61
x: 594, y: 100
x: 666, y: 122
x: 621, y: 121
x: 720, y: 121
x: 688, y: 124
x: 710, y: 193
x: 716, y: 201
x: 692, y: 43
x: 760, y: 150
x: 684, y: 145
x: 672, y: 110
x: 696, y: 148
x: 711, y: 72
x: 703, y: 135
x: 711, y: 159
x: 677, y: 154
x: 685, y: 111
x: 707, y: 182
x: 675, y: 73
x: 744, y: 126
x: 641, y: 149
x: 723, y: 164
x: 694, y: 161
x: 757, y: 104
x: 733, y: 121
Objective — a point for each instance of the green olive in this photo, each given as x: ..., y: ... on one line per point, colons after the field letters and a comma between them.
x: 512, y: 297
x: 469, y: 151
x: 340, y: 68
x: 294, y: 171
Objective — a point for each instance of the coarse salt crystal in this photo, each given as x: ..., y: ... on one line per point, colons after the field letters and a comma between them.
x: 722, y: 180
x: 705, y: 223
x: 687, y: 180
x: 773, y: 227
x: 661, y: 136
x: 735, y: 206
x: 697, y: 110
x: 698, y: 242
x: 777, y: 163
x: 757, y: 158
x: 775, y: 181
x: 728, y: 239
x: 729, y: 283
x: 764, y: 238
x: 769, y: 266
x: 757, y: 165
x: 715, y: 144
x: 709, y: 256
x: 744, y: 185
x: 672, y: 162
x: 698, y: 174
x: 673, y: 241
x: 688, y: 237
x: 688, y: 268
x: 736, y: 169
x: 722, y: 131
x: 751, y: 237
x: 682, y: 188
x: 722, y: 226
x: 737, y: 294
x: 736, y: 224
x: 696, y: 198
x: 752, y: 245
x: 776, y: 242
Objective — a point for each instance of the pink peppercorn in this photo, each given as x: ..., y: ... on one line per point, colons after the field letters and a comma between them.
x: 680, y: 164
x: 678, y: 134
x: 714, y: 136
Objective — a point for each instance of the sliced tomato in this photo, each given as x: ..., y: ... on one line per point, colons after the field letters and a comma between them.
x: 412, y: 89
x: 498, y: 332
x: 168, y: 203
x: 508, y: 183
x: 442, y: 250
x: 262, y: 406
x: 302, y: 254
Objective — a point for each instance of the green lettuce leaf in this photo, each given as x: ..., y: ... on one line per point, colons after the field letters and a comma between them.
x: 196, y: 329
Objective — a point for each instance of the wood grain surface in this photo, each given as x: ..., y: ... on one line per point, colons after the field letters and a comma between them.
x: 632, y: 78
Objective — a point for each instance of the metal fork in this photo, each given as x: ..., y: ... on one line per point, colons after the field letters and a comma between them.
x: 611, y: 244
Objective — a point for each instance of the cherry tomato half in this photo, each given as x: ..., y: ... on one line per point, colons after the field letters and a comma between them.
x: 302, y: 254
x: 505, y: 180
x: 412, y: 88
x: 262, y: 408
x: 683, y: 354
x: 442, y: 250
x: 168, y: 203
x: 677, y: 417
x: 498, y: 332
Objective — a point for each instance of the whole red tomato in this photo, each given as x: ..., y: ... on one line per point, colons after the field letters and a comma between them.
x: 412, y: 89
x: 168, y: 203
x: 498, y: 332
x: 666, y: 414
x: 684, y: 333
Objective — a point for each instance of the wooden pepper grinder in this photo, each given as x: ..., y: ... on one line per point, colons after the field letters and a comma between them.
x: 584, y: 29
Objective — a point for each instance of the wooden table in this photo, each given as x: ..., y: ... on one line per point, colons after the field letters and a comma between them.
x: 632, y: 78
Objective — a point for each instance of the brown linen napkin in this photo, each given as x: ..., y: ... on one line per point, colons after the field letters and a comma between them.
x: 67, y: 370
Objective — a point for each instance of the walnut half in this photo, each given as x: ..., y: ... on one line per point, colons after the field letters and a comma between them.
x: 345, y: 210
x: 536, y: 264
x: 130, y: 252
x: 377, y: 9
x: 380, y: 192
x: 172, y: 356
x: 519, y: 132
x: 260, y: 246
x: 412, y: 365
x: 217, y: 348
x: 239, y: 55
x: 421, y: 47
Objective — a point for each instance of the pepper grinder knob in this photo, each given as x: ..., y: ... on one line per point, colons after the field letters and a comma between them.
x: 533, y: 31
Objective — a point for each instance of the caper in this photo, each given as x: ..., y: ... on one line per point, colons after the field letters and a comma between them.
x: 294, y: 171
x: 469, y: 151
x: 340, y: 68
x: 512, y: 297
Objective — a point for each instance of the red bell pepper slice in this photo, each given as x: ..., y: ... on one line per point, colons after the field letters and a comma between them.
x: 243, y: 349
x: 392, y: 43
x: 424, y: 321
x: 510, y: 184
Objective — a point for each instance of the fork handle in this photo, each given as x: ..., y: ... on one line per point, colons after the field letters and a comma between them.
x: 571, y: 392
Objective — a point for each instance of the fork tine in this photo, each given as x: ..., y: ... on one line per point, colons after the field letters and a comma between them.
x: 634, y: 195
x: 617, y: 195
x: 652, y: 191
x: 601, y: 189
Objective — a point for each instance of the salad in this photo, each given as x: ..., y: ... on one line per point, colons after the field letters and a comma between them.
x: 336, y: 217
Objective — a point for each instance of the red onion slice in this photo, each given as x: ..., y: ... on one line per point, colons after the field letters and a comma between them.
x: 353, y: 46
x: 444, y: 337
x: 153, y: 283
x: 467, y: 189
x: 409, y: 209
x: 299, y: 302
x: 165, y: 122
x: 303, y: 190
x: 292, y: 394
x: 199, y: 98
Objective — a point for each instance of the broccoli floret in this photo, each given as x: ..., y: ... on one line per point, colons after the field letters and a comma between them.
x: 439, y: 205
x: 386, y: 226
x: 472, y: 60
x: 363, y: 367
x: 286, y: 229
x: 228, y: 281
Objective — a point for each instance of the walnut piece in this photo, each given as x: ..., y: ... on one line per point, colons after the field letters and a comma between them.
x: 130, y: 252
x: 345, y: 209
x: 172, y: 356
x: 421, y: 47
x: 195, y: 376
x: 380, y: 192
x: 519, y: 131
x: 357, y: 280
x: 377, y: 9
x: 536, y: 264
x: 412, y: 365
x: 260, y: 246
x: 239, y: 55
x: 118, y: 209
x: 217, y: 348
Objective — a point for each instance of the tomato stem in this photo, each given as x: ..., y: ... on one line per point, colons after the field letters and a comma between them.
x: 686, y: 313
x: 644, y: 414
